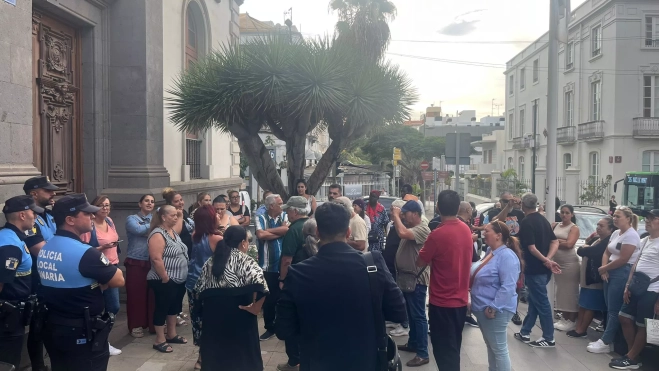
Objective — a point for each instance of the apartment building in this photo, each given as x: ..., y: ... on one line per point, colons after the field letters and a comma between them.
x: 608, y: 94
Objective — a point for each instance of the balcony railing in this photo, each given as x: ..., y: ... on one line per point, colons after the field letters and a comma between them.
x: 567, y: 134
x: 652, y: 43
x: 518, y: 143
x: 646, y: 127
x: 593, y: 130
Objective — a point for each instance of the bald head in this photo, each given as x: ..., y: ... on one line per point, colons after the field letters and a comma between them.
x: 465, y: 210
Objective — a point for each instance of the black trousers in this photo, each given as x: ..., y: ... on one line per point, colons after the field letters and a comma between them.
x: 168, y: 298
x: 11, y: 348
x: 270, y: 303
x: 67, y: 355
x: 293, y: 351
x: 446, y: 325
x: 35, y: 348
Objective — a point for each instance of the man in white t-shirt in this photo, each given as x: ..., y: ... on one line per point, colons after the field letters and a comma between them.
x: 637, y: 309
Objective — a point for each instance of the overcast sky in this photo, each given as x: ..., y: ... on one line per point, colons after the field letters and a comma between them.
x: 478, y: 31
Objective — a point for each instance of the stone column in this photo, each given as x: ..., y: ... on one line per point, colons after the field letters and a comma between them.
x: 465, y: 190
x: 16, y: 157
x: 496, y: 175
x: 136, y: 98
x: 541, y: 184
x: 572, y: 185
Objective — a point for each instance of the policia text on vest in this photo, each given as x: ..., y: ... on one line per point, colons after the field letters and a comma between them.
x: 73, y: 275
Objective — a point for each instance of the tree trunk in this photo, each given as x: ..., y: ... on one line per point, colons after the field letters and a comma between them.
x: 296, y: 160
x: 324, y: 167
x: 261, y: 165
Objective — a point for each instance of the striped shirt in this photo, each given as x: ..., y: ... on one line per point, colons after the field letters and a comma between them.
x: 270, y: 251
x: 175, y: 258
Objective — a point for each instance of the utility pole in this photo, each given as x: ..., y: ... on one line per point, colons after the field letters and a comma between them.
x: 492, y: 114
x: 552, y: 105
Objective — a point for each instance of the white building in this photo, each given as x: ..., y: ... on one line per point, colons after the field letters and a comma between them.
x: 192, y: 29
x: 491, y: 154
x: 608, y: 95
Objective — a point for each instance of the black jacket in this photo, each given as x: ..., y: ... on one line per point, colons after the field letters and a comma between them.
x: 594, y: 254
x: 326, y: 302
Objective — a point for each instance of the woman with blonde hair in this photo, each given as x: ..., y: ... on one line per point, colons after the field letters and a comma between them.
x: 621, y: 253
x: 493, y: 291
x: 203, y: 198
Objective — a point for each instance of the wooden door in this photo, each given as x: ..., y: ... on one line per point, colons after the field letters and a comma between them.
x: 56, y: 101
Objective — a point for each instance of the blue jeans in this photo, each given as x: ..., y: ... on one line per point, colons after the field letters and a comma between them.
x: 416, y: 313
x: 111, y: 296
x: 613, y: 295
x: 494, y: 334
x: 538, y: 306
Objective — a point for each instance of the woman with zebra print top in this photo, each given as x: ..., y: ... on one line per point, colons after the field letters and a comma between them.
x: 231, y: 290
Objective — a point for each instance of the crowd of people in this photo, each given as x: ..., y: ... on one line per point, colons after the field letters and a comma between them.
x: 313, y: 278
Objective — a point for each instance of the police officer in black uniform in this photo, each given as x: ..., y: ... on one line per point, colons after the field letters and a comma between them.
x: 72, y: 276
x: 42, y: 191
x: 16, y: 301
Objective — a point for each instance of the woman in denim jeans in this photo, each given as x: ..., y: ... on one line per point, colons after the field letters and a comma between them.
x: 493, y: 291
x: 620, y: 255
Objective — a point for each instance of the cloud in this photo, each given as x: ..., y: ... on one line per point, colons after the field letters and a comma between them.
x: 462, y: 25
x: 460, y: 28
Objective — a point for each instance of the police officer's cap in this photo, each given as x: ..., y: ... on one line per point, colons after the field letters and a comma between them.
x: 69, y: 204
x: 21, y: 203
x: 39, y: 182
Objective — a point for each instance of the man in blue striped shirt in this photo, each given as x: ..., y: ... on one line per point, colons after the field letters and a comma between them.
x: 270, y: 230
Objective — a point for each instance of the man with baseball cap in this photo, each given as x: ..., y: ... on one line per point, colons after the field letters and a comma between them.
x: 72, y: 277
x: 292, y: 252
x: 637, y: 306
x: 413, y: 234
x: 15, y: 276
x: 43, y: 192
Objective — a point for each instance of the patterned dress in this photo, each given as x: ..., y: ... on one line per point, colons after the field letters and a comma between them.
x: 230, y: 338
x: 379, y: 221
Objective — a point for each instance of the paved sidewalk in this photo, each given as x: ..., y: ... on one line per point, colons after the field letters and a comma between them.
x: 569, y: 354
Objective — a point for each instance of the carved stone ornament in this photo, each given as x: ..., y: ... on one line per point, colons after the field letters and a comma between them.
x: 56, y: 54
x: 595, y: 77
x: 58, y: 172
x: 58, y: 117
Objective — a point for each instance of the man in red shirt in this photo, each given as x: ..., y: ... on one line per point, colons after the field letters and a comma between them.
x: 448, y: 250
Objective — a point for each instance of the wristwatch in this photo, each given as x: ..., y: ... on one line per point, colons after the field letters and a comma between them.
x: 281, y: 279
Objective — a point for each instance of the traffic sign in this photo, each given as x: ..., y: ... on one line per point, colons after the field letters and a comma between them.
x: 436, y: 164
x: 424, y: 165
x: 443, y: 175
x: 397, y: 154
x: 427, y: 175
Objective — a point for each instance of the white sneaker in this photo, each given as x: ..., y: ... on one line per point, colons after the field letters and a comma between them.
x: 114, y: 351
x: 400, y: 331
x: 599, y: 347
x: 565, y: 325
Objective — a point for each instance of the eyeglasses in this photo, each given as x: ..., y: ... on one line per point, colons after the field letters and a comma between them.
x: 106, y: 206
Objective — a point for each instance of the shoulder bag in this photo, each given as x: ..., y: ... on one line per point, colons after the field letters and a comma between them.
x: 388, y: 357
x: 406, y: 280
x: 640, y: 281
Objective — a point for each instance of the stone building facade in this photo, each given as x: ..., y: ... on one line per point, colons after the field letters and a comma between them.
x: 82, y: 88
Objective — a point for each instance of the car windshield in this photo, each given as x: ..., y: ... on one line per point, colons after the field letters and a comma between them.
x: 587, y: 224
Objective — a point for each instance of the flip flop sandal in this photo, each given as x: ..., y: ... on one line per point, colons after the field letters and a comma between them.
x: 178, y: 339
x: 181, y: 322
x: 163, y: 347
x: 137, y: 333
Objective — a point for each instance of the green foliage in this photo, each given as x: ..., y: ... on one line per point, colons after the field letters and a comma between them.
x: 414, y: 146
x: 511, y: 183
x: 291, y: 88
x: 363, y: 24
x: 594, y: 191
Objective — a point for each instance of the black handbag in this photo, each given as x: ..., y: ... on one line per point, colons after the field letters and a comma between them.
x: 640, y: 281
x: 388, y: 357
